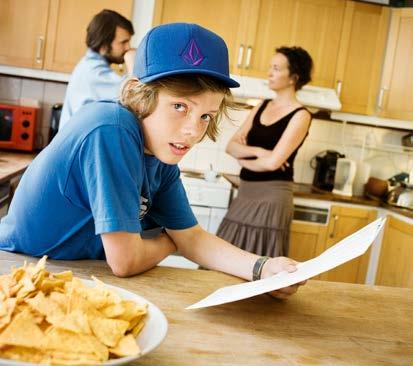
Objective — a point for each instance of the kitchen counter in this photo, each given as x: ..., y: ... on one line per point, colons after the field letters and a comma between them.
x: 326, y: 323
x: 309, y: 191
x: 13, y: 164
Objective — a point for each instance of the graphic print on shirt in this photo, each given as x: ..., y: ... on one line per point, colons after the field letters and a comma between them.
x: 144, y: 207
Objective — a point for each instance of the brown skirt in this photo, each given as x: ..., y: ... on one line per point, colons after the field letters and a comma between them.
x: 259, y: 218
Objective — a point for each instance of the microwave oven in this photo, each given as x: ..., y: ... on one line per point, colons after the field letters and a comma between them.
x: 17, y: 127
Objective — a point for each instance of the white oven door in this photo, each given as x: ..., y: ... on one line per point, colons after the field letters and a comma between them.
x: 202, y: 214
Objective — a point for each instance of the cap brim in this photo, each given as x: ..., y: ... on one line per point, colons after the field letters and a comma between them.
x: 230, y: 83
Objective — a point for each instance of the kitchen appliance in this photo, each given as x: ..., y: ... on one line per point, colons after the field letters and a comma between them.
x: 362, y: 175
x: 17, y: 127
x: 344, y: 177
x: 324, y: 164
x: 54, y: 120
x: 401, y: 196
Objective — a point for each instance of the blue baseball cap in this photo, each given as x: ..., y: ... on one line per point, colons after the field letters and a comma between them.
x: 182, y: 48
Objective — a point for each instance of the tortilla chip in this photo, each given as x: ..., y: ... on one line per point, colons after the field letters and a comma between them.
x: 127, y: 346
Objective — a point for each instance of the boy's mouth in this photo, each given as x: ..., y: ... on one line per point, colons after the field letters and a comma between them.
x: 179, y: 149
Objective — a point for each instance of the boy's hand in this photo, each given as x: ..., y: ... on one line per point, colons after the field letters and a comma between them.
x: 280, y: 264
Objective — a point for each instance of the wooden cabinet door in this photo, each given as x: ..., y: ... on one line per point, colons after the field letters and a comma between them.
x: 228, y: 18
x: 343, y: 222
x: 396, y: 256
x: 306, y: 241
x: 66, y: 32
x: 361, y: 55
x: 23, y: 30
x: 396, y: 89
x: 314, y: 25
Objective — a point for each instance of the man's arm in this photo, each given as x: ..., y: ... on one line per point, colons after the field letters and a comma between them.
x: 128, y: 254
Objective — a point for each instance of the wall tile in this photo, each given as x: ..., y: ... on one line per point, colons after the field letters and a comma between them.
x: 10, y: 89
x: 54, y: 92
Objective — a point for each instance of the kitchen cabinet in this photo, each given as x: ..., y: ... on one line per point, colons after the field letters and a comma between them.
x: 396, y: 93
x: 49, y: 34
x: 306, y: 241
x: 396, y: 255
x: 254, y: 28
x: 360, y: 57
x: 343, y: 222
x: 23, y: 31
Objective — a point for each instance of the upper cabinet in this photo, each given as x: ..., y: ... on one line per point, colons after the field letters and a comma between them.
x: 253, y: 29
x: 396, y: 93
x: 360, y: 59
x: 49, y: 34
x: 23, y: 32
x: 227, y: 18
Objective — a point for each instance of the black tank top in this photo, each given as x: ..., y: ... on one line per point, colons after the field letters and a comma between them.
x: 267, y: 137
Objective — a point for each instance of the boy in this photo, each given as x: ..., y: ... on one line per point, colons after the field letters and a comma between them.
x: 111, y: 173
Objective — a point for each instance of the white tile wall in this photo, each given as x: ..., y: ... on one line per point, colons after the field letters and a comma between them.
x: 345, y: 138
x: 14, y: 90
x: 323, y: 135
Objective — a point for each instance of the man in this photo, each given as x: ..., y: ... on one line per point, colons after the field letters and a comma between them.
x: 108, y: 37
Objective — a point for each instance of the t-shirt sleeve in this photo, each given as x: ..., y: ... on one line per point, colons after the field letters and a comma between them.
x: 111, y: 170
x: 171, y: 208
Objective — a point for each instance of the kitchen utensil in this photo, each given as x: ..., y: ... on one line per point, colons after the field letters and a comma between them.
x: 324, y: 164
x: 361, y: 178
x: 407, y: 140
x: 405, y: 198
x: 54, y: 120
x: 376, y: 187
x: 344, y: 177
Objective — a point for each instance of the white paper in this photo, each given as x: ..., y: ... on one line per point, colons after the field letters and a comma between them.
x: 349, y: 248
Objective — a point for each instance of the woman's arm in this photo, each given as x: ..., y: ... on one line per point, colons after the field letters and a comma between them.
x: 128, y: 254
x: 294, y: 134
x: 237, y: 146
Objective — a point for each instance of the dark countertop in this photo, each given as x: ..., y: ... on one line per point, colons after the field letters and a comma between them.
x: 303, y: 190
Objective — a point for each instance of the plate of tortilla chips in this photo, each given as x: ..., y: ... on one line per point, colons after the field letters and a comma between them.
x: 58, y: 319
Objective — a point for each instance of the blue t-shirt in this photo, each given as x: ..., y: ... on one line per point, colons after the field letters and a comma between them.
x: 93, y: 178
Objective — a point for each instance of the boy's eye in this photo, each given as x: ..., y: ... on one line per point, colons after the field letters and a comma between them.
x: 179, y: 107
x: 207, y: 117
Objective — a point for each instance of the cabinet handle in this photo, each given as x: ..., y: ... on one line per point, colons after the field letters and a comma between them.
x: 248, y: 58
x: 338, y: 87
x: 240, y: 55
x: 39, y: 49
x: 381, y: 98
x: 333, y: 233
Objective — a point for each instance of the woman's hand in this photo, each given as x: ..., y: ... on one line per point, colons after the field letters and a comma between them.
x: 277, y: 265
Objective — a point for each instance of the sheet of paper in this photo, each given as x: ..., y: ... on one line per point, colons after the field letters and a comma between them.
x: 349, y: 248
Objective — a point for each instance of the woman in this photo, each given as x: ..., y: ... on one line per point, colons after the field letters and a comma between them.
x: 265, y: 146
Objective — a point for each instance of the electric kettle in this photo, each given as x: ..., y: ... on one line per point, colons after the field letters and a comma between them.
x: 345, y: 174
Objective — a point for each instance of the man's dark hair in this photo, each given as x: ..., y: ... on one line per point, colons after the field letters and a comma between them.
x: 300, y: 64
x: 102, y: 29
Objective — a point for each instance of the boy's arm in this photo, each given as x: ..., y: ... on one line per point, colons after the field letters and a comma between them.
x: 215, y: 253
x: 128, y: 254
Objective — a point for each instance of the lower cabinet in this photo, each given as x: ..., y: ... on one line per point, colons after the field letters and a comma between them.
x: 309, y: 240
x: 395, y: 266
x: 343, y: 222
x: 306, y: 241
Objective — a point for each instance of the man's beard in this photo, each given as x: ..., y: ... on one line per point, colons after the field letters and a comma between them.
x: 113, y: 59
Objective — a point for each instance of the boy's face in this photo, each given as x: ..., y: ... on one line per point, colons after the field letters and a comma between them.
x: 178, y: 123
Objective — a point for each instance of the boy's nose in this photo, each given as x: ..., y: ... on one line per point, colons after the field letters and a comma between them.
x: 192, y: 127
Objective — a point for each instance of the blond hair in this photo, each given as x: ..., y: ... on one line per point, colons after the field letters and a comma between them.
x: 142, y: 99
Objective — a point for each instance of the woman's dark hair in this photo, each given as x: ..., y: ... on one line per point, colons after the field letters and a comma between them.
x: 102, y: 29
x: 300, y: 64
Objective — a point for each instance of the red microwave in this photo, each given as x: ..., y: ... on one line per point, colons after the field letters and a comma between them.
x: 17, y: 127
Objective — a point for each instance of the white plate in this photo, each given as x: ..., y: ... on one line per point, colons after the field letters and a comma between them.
x: 151, y: 336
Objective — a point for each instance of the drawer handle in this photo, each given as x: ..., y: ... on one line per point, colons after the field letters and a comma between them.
x: 333, y: 233
x: 381, y: 98
x: 338, y: 88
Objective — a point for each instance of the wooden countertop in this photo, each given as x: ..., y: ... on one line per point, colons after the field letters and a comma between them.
x: 326, y: 323
x: 13, y: 164
x: 309, y: 191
